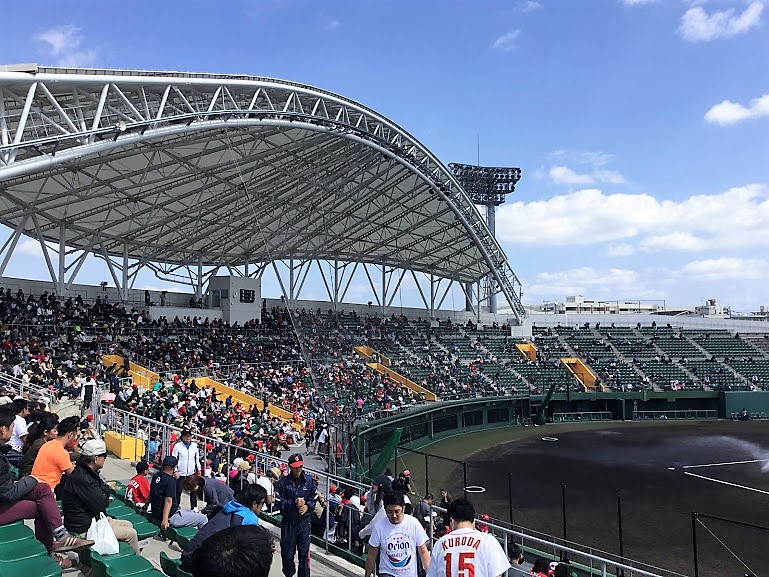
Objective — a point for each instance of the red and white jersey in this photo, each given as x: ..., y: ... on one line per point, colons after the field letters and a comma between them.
x: 468, y: 553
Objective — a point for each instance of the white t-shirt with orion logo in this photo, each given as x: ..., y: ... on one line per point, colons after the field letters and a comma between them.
x: 398, y: 545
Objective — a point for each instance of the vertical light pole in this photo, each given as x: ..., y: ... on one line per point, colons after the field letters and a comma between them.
x: 487, y: 186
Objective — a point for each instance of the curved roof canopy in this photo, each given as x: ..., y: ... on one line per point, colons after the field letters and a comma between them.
x: 229, y: 170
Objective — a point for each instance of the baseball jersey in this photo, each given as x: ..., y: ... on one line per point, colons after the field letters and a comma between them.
x: 467, y: 553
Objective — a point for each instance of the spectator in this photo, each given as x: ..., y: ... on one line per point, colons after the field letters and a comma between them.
x: 444, y: 504
x: 297, y: 492
x: 242, y: 510
x: 424, y: 513
x: 466, y: 549
x: 267, y: 482
x: 20, y: 431
x: 40, y: 432
x: 235, y: 552
x: 188, y: 462
x: 152, y: 447
x: 515, y: 554
x: 212, y: 491
x: 164, y: 500
x: 85, y: 496
x: 53, y: 458
x: 540, y: 568
x: 402, y: 538
x: 403, y: 483
x: 29, y: 499
x: 138, y: 489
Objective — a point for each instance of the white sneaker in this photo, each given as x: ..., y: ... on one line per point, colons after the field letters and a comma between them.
x: 195, y: 510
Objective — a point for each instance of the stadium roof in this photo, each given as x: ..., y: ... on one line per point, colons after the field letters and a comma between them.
x: 228, y: 170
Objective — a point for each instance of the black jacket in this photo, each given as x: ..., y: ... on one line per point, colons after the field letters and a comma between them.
x: 10, y: 490
x: 83, y: 497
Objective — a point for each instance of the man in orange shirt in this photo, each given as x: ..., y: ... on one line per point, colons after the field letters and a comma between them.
x: 53, y: 458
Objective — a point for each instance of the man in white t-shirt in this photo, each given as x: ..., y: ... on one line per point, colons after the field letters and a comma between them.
x: 397, y: 541
x: 267, y: 481
x: 15, y: 453
x: 465, y: 550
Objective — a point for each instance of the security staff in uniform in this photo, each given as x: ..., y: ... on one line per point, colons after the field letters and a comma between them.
x: 298, y: 493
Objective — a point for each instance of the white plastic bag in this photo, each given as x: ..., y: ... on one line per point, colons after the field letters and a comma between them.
x: 101, y: 533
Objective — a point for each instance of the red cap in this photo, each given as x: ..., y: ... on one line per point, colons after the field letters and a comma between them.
x: 332, y: 489
x: 251, y: 458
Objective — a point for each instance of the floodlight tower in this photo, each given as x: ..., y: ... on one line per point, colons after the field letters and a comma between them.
x: 487, y: 186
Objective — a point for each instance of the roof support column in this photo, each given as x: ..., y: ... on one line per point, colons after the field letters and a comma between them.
x: 336, y: 284
x: 468, y: 290
x: 199, y: 280
x: 124, y: 281
x: 383, y: 300
x: 13, y: 240
x: 62, y: 254
x: 433, y: 288
x: 291, y: 280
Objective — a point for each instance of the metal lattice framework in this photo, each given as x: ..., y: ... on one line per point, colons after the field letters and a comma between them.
x: 199, y: 169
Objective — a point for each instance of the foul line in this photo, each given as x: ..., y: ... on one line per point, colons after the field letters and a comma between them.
x: 729, y: 463
x: 727, y: 483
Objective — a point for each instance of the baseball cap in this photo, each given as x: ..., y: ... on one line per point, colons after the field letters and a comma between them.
x: 296, y: 460
x: 170, y: 461
x: 93, y: 448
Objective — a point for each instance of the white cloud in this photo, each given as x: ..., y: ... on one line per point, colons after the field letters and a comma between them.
x: 728, y: 269
x: 530, y: 6
x: 737, y: 218
x: 728, y: 112
x: 620, y: 249
x: 29, y: 247
x: 591, y: 157
x: 565, y: 175
x: 584, y: 280
x: 64, y: 45
x: 699, y: 26
x: 506, y: 42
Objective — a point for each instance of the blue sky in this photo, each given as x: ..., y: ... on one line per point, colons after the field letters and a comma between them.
x: 641, y: 126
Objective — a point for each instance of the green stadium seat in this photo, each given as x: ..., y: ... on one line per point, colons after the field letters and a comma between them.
x: 126, y: 566
x: 99, y: 562
x: 119, y: 510
x: 168, y: 565
x: 17, y: 531
x: 41, y: 566
x: 145, y: 529
x: 182, y: 573
x: 177, y: 535
x: 24, y: 549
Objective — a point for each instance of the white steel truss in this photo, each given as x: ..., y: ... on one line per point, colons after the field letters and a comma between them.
x: 180, y: 171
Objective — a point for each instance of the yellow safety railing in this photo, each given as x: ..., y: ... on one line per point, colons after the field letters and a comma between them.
x: 367, y: 352
x: 582, y: 373
x: 398, y: 378
x: 528, y: 350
